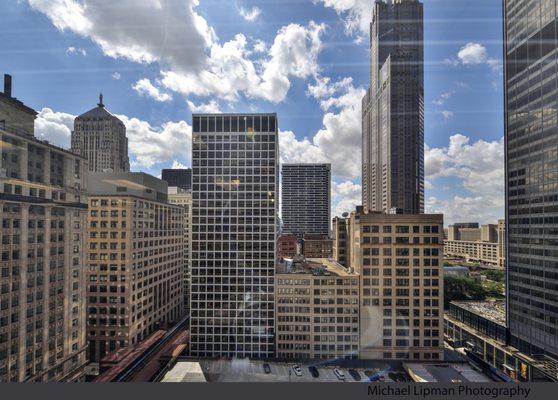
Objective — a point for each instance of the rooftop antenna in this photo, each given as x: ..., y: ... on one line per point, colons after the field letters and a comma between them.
x: 101, y: 100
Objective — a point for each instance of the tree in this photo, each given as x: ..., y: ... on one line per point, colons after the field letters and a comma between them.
x: 462, y: 288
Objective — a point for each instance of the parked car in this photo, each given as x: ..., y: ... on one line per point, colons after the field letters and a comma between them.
x: 339, y: 374
x: 297, y: 370
x: 314, y: 371
x: 354, y: 374
x: 267, y: 368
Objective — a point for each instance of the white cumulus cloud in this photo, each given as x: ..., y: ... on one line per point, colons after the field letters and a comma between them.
x: 76, y: 50
x: 345, y: 197
x: 56, y: 127
x: 356, y: 14
x: 250, y: 14
x: 145, y: 88
x: 211, y: 107
x: 474, y: 54
x: 339, y: 140
x: 190, y: 56
x: 478, y: 168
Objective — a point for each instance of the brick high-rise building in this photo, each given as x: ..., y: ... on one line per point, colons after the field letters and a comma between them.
x: 135, y: 258
x: 183, y: 198
x: 287, y: 246
x: 235, y: 177
x: 100, y: 137
x: 317, y: 246
x: 317, y: 310
x: 393, y: 110
x: 341, y: 240
x: 399, y: 258
x: 43, y: 209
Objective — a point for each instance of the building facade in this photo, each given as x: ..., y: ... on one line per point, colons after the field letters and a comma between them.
x: 234, y: 231
x: 135, y: 259
x: 306, y: 199
x: 100, y: 137
x: 399, y: 259
x: 181, y: 178
x: 42, y: 285
x: 484, y: 244
x: 393, y: 110
x: 341, y: 242
x: 317, y: 311
x: 531, y: 140
x: 287, y: 246
x: 317, y: 246
x: 183, y: 198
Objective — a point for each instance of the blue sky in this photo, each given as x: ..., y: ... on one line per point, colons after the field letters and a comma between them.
x: 156, y: 61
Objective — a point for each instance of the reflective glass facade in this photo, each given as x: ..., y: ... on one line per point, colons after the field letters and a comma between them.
x: 235, y: 175
x: 393, y: 110
x: 531, y: 77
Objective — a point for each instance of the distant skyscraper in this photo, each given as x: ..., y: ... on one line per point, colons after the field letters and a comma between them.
x: 393, y: 110
x: 181, y: 178
x: 235, y: 174
x: 306, y: 199
x: 100, y: 137
x: 531, y: 78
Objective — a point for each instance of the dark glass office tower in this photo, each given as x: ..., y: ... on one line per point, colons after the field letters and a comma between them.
x: 393, y: 110
x: 531, y: 77
x: 235, y: 175
x: 181, y: 178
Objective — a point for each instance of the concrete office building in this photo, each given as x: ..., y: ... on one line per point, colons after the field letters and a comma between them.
x: 183, y: 198
x: 484, y: 244
x: 341, y: 242
x: 468, y: 232
x: 393, y: 110
x: 399, y: 259
x: 135, y: 259
x: 100, y: 137
x: 43, y: 211
x: 316, y: 310
x: 235, y: 176
x: 531, y: 140
x: 306, y: 199
x: 181, y: 178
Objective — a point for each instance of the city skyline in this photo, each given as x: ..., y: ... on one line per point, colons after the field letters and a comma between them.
x: 195, y: 231
x: 465, y: 66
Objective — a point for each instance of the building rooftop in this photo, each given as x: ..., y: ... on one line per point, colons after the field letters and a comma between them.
x: 494, y: 310
x: 245, y: 370
x: 445, y: 373
x: 314, y: 266
x: 315, y: 236
x: 99, y: 112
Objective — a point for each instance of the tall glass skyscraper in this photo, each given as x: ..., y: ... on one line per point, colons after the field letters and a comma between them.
x: 393, y: 110
x: 234, y: 227
x: 531, y: 77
